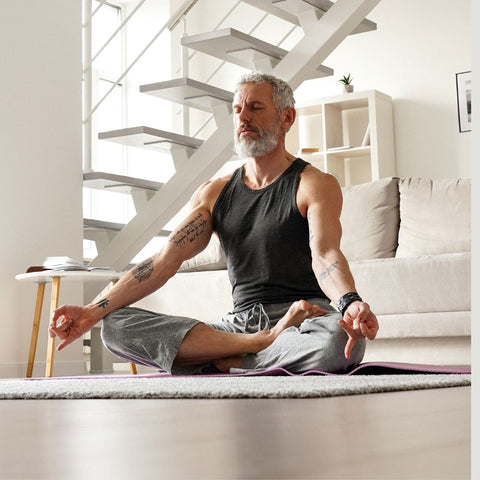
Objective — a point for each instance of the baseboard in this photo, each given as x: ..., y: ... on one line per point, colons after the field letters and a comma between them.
x: 60, y: 369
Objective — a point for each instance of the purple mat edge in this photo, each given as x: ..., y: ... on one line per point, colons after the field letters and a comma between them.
x: 362, y: 369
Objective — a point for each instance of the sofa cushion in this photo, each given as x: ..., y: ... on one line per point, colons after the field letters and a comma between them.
x: 425, y: 325
x: 206, y: 296
x: 429, y: 283
x: 434, y: 216
x: 421, y: 350
x: 370, y: 220
x: 212, y: 258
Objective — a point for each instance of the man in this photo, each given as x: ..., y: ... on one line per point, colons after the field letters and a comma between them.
x: 278, y: 220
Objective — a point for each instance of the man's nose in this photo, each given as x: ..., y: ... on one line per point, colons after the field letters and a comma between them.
x: 243, y: 115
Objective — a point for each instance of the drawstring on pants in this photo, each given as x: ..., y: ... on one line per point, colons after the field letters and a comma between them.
x: 257, y: 319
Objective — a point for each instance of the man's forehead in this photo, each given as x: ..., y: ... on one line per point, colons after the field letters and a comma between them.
x: 251, y: 92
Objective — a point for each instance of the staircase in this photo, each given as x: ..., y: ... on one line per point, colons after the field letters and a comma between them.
x: 325, y: 26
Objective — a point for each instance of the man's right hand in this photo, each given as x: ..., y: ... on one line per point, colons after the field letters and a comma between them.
x: 70, y: 322
x: 358, y: 322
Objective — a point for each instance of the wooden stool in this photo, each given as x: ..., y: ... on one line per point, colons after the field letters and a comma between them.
x: 41, y: 279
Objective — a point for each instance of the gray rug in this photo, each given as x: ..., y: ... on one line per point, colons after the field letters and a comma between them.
x: 158, y: 386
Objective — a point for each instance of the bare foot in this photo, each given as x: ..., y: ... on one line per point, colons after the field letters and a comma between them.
x: 225, y: 364
x: 297, y: 313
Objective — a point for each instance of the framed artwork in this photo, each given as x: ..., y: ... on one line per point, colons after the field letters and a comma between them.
x: 464, y: 101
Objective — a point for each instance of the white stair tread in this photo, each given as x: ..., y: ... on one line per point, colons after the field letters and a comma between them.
x: 237, y: 47
x: 287, y: 10
x: 93, y: 224
x: 188, y: 92
x: 288, y: 14
x: 147, y: 137
x: 117, y: 183
x: 90, y: 224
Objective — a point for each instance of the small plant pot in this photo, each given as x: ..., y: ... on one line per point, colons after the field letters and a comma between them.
x: 348, y: 88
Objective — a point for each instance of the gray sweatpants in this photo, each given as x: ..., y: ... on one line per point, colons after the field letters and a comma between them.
x: 153, y: 339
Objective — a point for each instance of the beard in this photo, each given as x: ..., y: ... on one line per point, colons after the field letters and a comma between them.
x: 256, y: 147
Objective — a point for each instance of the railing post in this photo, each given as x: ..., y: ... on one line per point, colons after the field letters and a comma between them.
x: 87, y: 86
x: 185, y: 73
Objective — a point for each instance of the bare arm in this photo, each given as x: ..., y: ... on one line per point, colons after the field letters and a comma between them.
x: 324, y: 206
x: 320, y: 197
x: 186, y: 241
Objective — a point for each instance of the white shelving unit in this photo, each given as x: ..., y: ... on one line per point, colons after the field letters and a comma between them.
x: 350, y: 136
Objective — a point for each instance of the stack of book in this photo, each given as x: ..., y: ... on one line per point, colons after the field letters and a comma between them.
x: 65, y: 264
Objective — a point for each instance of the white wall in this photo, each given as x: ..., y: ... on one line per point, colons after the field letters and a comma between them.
x: 475, y: 473
x: 413, y: 56
x: 40, y: 156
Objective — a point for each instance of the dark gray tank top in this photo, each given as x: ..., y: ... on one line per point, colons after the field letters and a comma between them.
x: 266, y: 241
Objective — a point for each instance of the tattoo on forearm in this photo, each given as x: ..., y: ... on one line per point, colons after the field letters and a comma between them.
x: 143, y: 270
x: 103, y: 303
x: 191, y: 231
x: 310, y: 232
x: 322, y: 276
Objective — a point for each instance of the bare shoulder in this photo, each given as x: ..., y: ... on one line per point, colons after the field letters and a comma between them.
x: 207, y: 194
x: 312, y: 177
x: 316, y: 185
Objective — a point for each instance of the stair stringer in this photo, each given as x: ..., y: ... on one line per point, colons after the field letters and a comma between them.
x: 166, y: 203
x: 332, y: 28
x: 298, y: 65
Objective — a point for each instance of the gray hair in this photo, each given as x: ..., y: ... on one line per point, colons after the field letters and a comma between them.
x: 282, y: 92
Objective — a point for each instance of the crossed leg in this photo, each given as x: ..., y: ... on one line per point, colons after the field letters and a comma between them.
x: 204, y: 344
x: 162, y: 341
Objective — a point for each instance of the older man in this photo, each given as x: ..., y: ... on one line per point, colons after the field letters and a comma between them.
x: 278, y: 220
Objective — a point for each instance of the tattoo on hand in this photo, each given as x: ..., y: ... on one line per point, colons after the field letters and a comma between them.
x: 143, y: 270
x: 191, y: 231
x: 322, y: 276
x: 103, y: 303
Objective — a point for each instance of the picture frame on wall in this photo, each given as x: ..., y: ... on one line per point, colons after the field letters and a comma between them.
x: 464, y: 101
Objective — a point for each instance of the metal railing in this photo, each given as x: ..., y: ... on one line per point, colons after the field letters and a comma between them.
x: 88, y: 19
x: 114, y: 34
x: 170, y: 24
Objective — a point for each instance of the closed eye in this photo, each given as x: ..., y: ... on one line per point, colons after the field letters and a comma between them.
x: 253, y: 107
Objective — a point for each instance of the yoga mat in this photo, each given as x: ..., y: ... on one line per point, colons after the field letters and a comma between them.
x: 377, y: 368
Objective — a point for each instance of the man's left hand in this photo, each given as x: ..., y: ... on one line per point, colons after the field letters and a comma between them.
x: 358, y: 322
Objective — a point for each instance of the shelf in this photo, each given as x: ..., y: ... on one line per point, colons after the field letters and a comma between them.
x: 361, y: 118
x: 347, y: 101
x: 349, y: 152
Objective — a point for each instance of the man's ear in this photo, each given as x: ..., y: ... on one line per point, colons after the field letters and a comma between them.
x: 288, y: 118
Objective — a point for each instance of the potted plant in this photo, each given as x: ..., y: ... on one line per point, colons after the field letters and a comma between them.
x: 347, y: 83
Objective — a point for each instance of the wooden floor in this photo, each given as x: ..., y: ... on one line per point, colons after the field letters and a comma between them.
x: 421, y: 434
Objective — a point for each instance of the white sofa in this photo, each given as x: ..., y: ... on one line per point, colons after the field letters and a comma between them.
x: 408, y: 244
